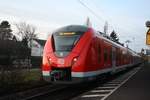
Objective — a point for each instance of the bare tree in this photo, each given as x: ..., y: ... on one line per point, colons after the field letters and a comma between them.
x: 26, y: 32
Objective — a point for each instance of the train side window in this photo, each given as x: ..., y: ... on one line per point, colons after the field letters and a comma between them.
x: 99, y: 53
x: 116, y: 55
x: 113, y: 55
x: 119, y: 57
x: 105, y: 55
x: 110, y: 54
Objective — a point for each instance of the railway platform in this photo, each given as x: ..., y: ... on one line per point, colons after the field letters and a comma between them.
x: 136, y: 88
x: 133, y: 85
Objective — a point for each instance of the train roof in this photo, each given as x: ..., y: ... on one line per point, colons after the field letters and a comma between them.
x: 118, y: 45
x: 110, y: 41
x: 82, y: 28
x: 72, y: 28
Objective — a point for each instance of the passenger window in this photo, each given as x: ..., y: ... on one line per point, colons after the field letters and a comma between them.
x: 110, y: 54
x: 99, y: 53
x: 116, y: 55
x: 105, y: 55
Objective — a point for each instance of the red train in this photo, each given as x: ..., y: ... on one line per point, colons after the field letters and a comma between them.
x: 78, y: 53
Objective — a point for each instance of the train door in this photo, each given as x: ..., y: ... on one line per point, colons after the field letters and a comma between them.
x: 113, y: 59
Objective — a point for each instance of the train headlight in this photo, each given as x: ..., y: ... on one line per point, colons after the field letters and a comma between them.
x: 49, y: 60
x: 74, y: 60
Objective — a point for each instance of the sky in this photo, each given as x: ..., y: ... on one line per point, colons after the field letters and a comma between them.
x: 126, y: 17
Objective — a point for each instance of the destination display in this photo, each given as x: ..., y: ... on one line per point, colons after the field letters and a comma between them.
x: 67, y: 33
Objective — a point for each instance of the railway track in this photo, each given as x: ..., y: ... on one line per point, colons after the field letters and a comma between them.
x: 32, y: 93
x: 85, y: 91
x: 88, y: 91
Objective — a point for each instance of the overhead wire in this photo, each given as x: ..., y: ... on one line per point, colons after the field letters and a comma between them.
x: 91, y: 11
x: 95, y: 14
x: 112, y: 25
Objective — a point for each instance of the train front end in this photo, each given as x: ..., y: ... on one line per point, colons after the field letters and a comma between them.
x: 65, y: 53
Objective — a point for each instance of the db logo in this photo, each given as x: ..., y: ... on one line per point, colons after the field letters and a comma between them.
x: 60, y: 61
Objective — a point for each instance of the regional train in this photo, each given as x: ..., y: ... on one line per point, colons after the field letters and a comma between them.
x: 77, y: 53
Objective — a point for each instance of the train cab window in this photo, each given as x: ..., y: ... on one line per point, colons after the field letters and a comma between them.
x: 66, y: 38
x: 65, y: 43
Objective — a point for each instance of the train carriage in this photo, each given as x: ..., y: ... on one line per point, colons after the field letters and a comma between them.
x: 77, y: 53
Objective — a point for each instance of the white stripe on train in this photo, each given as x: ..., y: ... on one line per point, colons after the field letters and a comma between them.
x: 101, y: 71
x: 91, y: 73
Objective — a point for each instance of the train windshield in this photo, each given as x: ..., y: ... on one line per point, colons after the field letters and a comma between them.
x: 65, y: 43
x: 65, y: 38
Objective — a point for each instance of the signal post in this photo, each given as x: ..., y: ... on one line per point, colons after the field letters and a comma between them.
x: 148, y: 40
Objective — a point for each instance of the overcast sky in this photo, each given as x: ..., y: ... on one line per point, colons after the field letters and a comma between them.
x: 126, y: 17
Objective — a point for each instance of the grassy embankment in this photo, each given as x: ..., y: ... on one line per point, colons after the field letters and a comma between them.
x: 20, y: 79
